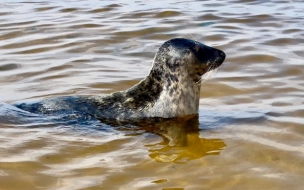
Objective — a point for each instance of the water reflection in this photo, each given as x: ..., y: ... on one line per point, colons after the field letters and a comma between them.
x: 181, y: 138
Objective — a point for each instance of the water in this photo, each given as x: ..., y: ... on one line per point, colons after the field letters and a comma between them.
x: 251, y: 129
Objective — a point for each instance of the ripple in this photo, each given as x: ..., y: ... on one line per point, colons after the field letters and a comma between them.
x: 284, y: 42
x: 8, y: 67
x: 165, y: 14
x: 42, y: 9
x: 67, y: 10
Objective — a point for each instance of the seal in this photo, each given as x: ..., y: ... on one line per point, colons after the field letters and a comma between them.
x: 171, y: 89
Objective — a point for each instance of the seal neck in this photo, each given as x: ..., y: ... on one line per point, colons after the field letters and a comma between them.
x: 177, y: 95
x: 146, y: 92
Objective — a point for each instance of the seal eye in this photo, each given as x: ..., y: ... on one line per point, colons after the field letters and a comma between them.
x: 187, y: 52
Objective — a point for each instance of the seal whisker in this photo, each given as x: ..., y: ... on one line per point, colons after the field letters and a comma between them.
x: 193, y: 39
x: 199, y: 81
x: 212, y: 70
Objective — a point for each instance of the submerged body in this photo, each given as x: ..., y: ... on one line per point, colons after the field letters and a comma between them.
x: 171, y: 89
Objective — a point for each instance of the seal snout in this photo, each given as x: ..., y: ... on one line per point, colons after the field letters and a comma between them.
x: 221, y: 56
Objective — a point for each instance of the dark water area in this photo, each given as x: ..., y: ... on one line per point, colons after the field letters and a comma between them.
x: 249, y: 133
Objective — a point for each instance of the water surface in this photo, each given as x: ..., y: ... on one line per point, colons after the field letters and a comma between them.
x: 250, y: 129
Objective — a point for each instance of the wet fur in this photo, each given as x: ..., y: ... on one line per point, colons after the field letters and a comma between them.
x: 171, y: 89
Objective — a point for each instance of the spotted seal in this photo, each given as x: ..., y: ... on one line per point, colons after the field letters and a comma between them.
x: 171, y: 89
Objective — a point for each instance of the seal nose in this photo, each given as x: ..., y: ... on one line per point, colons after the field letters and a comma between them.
x: 222, y: 55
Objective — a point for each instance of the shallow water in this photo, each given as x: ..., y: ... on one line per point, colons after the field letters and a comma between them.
x: 251, y: 128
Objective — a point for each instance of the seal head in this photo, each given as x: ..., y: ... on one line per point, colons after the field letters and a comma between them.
x: 187, y: 57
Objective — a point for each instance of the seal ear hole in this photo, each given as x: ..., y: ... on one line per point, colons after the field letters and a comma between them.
x: 197, y: 48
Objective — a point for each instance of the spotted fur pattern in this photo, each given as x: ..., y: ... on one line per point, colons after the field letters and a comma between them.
x: 171, y: 89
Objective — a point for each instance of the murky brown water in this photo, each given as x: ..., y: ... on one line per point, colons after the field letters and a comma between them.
x: 251, y: 131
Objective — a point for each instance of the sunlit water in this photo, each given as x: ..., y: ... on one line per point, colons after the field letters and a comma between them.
x: 250, y: 133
